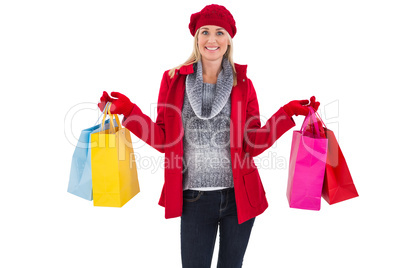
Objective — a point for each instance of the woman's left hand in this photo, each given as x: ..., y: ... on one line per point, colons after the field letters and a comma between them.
x: 300, y: 107
x: 314, y: 104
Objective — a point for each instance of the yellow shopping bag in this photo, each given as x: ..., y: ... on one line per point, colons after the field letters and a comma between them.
x: 114, y: 172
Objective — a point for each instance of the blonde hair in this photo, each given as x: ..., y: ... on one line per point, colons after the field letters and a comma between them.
x: 196, y: 56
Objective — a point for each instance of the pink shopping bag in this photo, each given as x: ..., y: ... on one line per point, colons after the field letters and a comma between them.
x: 307, y: 166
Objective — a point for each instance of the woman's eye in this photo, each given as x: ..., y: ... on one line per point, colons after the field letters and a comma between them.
x: 206, y: 32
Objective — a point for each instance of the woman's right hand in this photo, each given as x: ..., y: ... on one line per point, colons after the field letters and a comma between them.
x: 120, y: 105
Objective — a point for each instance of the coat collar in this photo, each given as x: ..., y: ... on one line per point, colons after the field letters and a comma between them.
x: 241, y: 70
x: 238, y: 102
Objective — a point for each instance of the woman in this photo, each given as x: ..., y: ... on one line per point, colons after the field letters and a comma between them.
x: 209, y: 128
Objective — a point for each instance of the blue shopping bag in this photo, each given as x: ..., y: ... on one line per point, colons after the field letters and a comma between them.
x: 80, y: 183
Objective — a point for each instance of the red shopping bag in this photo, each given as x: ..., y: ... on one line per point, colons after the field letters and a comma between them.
x: 338, y: 184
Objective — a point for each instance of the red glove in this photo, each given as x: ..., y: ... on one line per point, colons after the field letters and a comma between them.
x: 121, y: 105
x: 300, y: 107
x: 313, y: 103
x: 296, y: 107
x: 103, y: 100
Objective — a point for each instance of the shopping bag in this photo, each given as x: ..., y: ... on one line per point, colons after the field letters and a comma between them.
x: 306, y: 166
x: 338, y: 183
x: 80, y: 182
x: 114, y: 171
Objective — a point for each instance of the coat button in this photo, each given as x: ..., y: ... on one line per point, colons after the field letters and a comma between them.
x: 177, y: 73
x: 244, y: 80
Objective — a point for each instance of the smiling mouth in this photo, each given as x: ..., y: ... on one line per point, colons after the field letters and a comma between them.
x: 212, y: 48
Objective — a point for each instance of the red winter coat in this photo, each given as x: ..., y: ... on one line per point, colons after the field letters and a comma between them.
x: 247, y: 139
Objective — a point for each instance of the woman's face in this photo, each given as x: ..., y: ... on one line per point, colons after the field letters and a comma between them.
x: 213, y: 41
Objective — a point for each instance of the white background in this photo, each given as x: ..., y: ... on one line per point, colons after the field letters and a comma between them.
x: 55, y: 55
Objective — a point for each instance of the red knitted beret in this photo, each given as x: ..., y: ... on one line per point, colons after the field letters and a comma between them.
x: 213, y: 15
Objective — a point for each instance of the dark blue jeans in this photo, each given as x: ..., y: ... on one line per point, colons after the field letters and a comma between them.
x: 203, y: 212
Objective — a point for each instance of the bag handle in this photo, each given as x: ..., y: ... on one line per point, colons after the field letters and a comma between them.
x: 115, y: 117
x: 311, y: 116
x: 107, y: 111
x: 104, y: 109
x: 322, y: 156
x: 319, y: 118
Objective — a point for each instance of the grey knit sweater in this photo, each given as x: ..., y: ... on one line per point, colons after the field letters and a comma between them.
x: 206, y: 121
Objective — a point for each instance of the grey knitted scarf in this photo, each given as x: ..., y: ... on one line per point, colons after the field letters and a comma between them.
x: 194, y: 84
